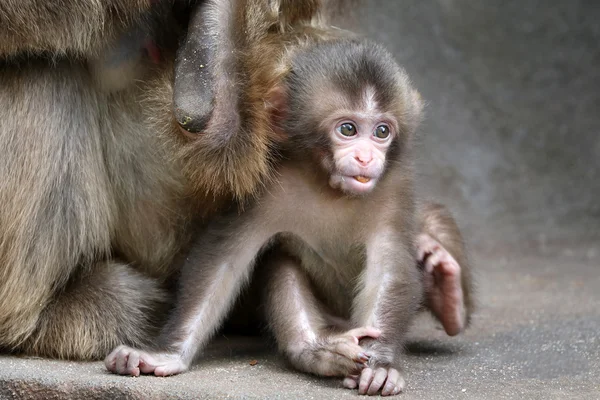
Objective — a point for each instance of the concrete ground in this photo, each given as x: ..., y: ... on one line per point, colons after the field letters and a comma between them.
x: 511, y: 143
x: 535, y: 336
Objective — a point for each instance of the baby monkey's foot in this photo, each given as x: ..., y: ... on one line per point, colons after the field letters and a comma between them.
x: 129, y: 361
x: 386, y: 381
x: 336, y: 354
x: 443, y: 286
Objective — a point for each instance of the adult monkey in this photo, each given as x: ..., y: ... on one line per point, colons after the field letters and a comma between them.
x: 95, y: 205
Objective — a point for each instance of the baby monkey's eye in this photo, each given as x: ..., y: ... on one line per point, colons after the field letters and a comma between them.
x: 382, y: 131
x: 347, y: 129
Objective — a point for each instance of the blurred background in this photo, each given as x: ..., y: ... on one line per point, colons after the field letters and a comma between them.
x: 511, y: 139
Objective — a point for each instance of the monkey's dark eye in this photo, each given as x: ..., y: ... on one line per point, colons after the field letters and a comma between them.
x: 347, y: 129
x: 382, y: 132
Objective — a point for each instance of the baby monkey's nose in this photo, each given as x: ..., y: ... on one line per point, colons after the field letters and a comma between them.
x: 364, y: 158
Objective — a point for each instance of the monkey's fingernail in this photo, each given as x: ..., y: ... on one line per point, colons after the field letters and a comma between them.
x: 360, y: 366
x: 429, y: 267
x: 363, y: 356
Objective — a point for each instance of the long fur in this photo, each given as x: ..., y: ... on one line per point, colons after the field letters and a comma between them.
x: 99, y: 188
x: 65, y: 27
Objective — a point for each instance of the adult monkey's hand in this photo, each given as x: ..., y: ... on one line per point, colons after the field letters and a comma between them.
x: 194, y: 89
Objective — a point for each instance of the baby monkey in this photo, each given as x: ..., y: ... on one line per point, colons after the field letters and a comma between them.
x: 336, y: 230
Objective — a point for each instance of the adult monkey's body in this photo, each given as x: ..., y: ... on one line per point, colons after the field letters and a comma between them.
x: 95, y: 205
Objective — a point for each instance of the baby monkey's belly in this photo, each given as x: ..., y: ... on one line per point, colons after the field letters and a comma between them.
x: 334, y: 270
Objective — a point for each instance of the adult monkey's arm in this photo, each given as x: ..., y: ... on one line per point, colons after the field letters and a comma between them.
x: 208, y: 54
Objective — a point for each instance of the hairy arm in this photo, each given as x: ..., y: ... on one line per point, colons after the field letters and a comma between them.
x: 224, y: 73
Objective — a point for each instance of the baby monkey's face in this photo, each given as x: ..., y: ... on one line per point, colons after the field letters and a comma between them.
x: 353, y: 107
x: 360, y: 140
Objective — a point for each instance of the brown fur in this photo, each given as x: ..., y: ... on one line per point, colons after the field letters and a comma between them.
x: 86, y: 191
x: 65, y: 27
x: 97, y: 202
x: 248, y: 65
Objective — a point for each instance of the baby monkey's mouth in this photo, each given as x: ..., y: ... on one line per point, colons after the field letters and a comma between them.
x: 362, y: 179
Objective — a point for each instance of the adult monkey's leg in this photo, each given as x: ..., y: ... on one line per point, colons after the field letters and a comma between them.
x: 56, y: 298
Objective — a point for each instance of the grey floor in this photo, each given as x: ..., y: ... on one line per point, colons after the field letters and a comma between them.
x: 511, y: 143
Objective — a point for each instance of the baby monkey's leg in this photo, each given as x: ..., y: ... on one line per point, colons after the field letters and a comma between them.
x: 302, y: 327
x: 447, y: 275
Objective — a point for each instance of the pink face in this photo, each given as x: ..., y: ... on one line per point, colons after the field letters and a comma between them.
x: 360, y: 144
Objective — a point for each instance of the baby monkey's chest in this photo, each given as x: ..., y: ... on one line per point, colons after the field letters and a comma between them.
x: 331, y: 265
x: 323, y: 230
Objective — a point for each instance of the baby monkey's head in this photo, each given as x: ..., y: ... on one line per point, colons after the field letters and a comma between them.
x: 352, y: 108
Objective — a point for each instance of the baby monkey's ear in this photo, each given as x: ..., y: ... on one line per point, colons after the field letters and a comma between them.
x: 417, y: 100
x: 276, y: 104
x: 413, y: 110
